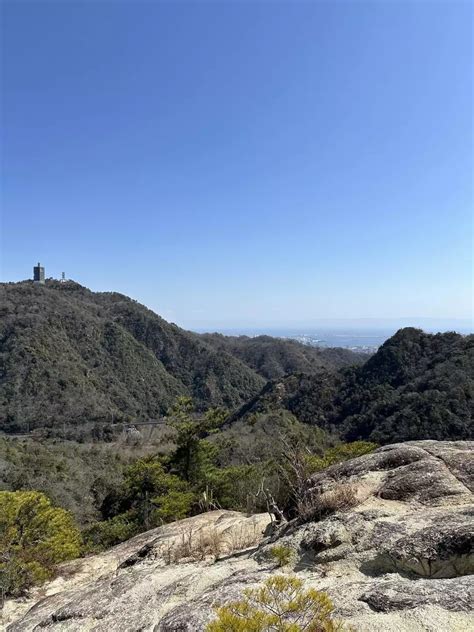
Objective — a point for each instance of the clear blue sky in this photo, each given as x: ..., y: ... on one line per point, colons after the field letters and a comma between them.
x: 243, y: 164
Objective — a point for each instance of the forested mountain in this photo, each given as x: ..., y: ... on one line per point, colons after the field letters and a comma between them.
x: 69, y: 355
x: 417, y: 386
x: 275, y: 357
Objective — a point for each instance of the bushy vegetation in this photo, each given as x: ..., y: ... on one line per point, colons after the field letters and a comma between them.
x: 417, y: 386
x: 116, y: 491
x: 281, y: 604
x: 148, y: 497
x: 34, y: 537
x: 106, y: 533
x: 337, y: 454
x: 77, y: 477
x: 189, y: 480
x: 282, y: 555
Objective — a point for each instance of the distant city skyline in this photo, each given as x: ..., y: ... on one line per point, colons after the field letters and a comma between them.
x: 243, y: 165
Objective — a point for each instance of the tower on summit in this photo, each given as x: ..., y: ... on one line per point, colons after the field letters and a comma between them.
x: 38, y: 274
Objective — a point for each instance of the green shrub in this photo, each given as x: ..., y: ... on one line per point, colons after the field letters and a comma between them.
x: 149, y: 497
x: 235, y: 487
x: 175, y: 505
x: 280, y: 605
x: 34, y: 537
x: 102, y: 535
x: 341, y: 452
x: 282, y: 555
x: 153, y: 495
x: 345, y: 451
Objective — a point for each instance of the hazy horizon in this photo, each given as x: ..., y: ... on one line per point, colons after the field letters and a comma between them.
x: 342, y: 324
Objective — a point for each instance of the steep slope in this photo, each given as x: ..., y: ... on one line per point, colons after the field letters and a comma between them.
x: 398, y: 559
x: 275, y: 357
x: 69, y: 355
x: 417, y: 386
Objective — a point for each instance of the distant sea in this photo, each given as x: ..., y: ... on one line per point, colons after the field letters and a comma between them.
x: 359, y: 339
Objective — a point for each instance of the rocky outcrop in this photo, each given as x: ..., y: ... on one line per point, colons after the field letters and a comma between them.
x: 437, y: 551
x: 400, y: 560
x: 427, y: 530
x: 428, y: 472
x: 398, y: 594
x: 131, y: 585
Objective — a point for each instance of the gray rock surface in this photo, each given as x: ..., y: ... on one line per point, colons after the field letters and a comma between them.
x: 397, y: 594
x: 400, y: 560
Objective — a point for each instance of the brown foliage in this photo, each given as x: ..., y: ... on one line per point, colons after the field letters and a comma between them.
x: 317, y: 506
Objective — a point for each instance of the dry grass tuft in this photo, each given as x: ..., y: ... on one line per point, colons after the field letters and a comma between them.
x: 209, y: 543
x: 244, y: 538
x: 195, y: 545
x: 317, y: 506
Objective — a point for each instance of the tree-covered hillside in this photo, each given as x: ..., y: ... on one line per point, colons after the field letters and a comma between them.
x: 69, y: 355
x: 72, y: 356
x: 417, y: 386
x: 275, y: 357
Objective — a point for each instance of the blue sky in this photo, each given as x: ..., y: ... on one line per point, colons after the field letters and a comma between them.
x: 243, y: 164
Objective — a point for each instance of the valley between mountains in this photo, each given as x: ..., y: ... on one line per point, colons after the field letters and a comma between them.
x: 155, y: 479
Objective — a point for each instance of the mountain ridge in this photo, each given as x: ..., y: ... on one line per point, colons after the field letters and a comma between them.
x: 68, y: 354
x: 416, y: 386
x: 274, y: 357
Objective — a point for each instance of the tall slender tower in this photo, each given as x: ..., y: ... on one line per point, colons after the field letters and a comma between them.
x: 38, y: 274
